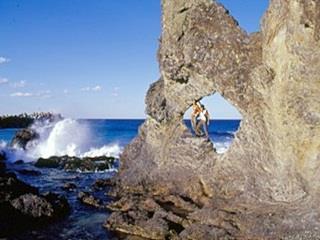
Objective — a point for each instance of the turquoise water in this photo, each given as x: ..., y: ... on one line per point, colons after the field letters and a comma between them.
x: 6, y: 135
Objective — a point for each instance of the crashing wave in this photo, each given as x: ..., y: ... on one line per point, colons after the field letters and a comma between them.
x: 63, y: 137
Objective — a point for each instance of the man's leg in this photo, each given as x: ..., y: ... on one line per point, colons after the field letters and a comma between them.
x: 199, y: 128
x: 205, y: 127
x: 194, y: 124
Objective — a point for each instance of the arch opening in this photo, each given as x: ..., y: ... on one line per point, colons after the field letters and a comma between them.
x: 223, y: 125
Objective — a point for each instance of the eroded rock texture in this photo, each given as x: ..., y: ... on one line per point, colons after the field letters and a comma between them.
x: 172, y: 185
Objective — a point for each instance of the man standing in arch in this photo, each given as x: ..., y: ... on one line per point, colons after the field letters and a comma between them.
x: 204, y: 121
x: 199, y: 111
x: 196, y: 110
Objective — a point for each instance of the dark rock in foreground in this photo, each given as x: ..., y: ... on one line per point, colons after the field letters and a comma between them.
x: 76, y: 164
x: 41, y: 208
x: 22, y: 207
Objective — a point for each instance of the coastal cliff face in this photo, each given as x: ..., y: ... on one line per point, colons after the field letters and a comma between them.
x: 173, y: 185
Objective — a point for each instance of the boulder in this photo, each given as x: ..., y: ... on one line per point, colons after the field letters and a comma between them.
x: 24, y: 136
x: 33, y: 206
x: 88, y: 199
x: 23, y: 208
x: 59, y: 204
x: 11, y: 187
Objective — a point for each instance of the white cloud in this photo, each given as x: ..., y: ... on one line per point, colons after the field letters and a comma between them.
x: 4, y: 60
x: 3, y: 80
x: 19, y: 84
x: 44, y: 94
x: 115, y: 92
x: 86, y: 89
x: 66, y: 91
x: 93, y: 89
x: 21, y: 94
x: 97, y: 88
x: 41, y: 94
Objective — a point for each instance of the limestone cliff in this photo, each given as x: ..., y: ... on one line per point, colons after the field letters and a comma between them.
x: 267, y: 184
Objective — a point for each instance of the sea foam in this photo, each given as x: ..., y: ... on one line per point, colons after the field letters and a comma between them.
x: 63, y: 137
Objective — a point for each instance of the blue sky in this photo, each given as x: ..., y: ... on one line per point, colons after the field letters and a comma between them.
x: 89, y: 59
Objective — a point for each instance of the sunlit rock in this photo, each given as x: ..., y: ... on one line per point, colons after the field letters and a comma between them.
x: 267, y: 184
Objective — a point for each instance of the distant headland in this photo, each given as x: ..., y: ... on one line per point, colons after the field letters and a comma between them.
x: 25, y: 120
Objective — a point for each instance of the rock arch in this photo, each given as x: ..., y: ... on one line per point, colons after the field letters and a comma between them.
x: 272, y: 77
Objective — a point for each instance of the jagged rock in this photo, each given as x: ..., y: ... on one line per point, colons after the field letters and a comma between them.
x: 102, y: 184
x: 75, y: 163
x: 11, y: 187
x: 267, y: 184
x: 24, y: 136
x: 21, y: 206
x: 33, y: 205
x: 59, y: 204
x: 88, y: 199
x: 41, y: 208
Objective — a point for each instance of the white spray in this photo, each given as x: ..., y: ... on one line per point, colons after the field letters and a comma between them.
x: 64, y: 137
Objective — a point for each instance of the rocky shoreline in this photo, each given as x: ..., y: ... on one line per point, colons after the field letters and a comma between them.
x: 22, y: 207
x: 27, y: 211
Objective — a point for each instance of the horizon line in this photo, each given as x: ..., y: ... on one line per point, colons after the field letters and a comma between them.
x: 112, y: 118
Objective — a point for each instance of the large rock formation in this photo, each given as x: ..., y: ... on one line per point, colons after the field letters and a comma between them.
x: 266, y: 185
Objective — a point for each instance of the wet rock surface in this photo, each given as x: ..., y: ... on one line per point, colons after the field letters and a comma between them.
x: 88, y: 199
x: 101, y: 184
x: 266, y: 186
x: 24, y: 136
x: 83, y: 221
x: 41, y: 208
x: 76, y: 164
x: 22, y: 207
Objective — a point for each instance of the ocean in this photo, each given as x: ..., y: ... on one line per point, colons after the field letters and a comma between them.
x: 83, y: 138
x: 98, y: 133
